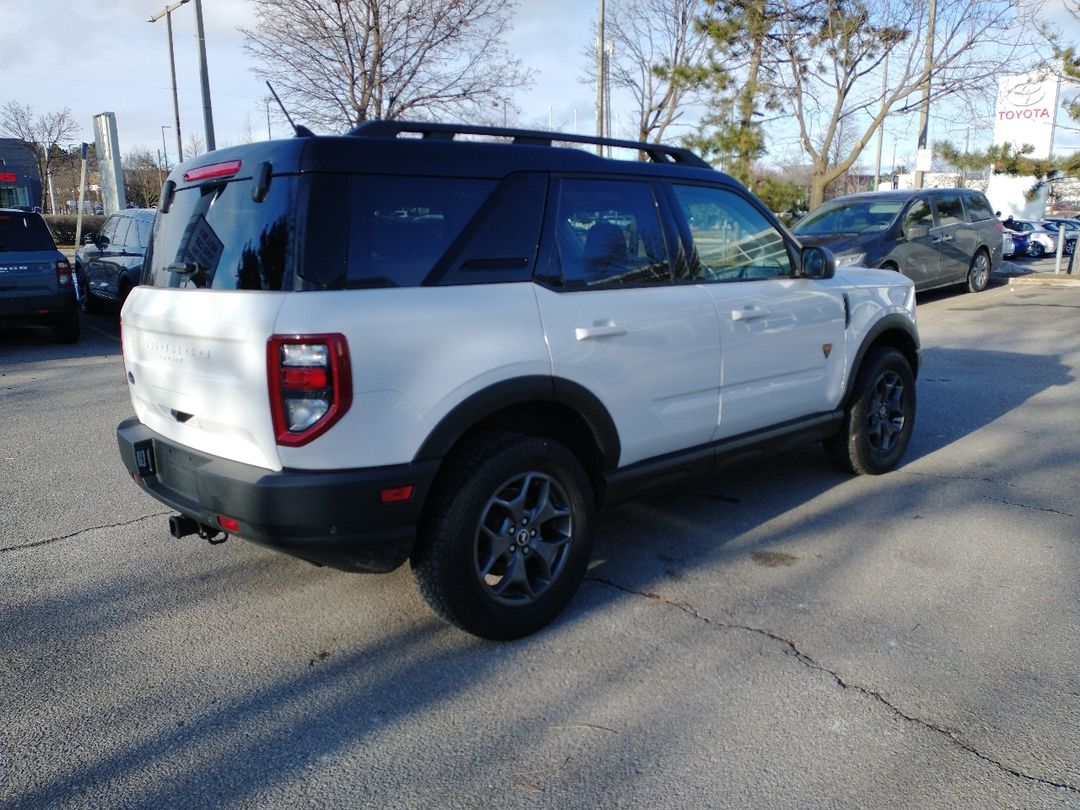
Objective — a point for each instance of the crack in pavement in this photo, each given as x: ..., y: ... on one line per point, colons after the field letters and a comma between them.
x: 951, y: 737
x: 47, y: 541
x: 983, y: 478
x: 1033, y: 508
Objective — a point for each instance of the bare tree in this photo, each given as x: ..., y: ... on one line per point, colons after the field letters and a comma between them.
x: 194, y: 147
x: 46, y: 134
x: 337, y: 63
x: 143, y: 177
x: 656, y: 46
x: 834, y: 78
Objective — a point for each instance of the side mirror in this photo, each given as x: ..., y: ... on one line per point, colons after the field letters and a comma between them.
x: 88, y: 238
x: 818, y: 262
x: 917, y: 232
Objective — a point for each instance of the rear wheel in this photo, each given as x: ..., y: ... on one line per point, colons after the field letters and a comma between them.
x: 88, y: 303
x: 978, y: 277
x: 507, y: 536
x: 1035, y: 250
x: 879, y: 420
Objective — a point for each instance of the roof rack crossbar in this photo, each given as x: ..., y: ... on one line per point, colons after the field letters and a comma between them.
x: 658, y: 153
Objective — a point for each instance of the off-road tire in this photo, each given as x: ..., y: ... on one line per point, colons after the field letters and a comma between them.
x: 538, y: 496
x: 880, y: 416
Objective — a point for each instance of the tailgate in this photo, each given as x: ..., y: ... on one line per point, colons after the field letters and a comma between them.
x: 31, y: 273
x: 196, y: 364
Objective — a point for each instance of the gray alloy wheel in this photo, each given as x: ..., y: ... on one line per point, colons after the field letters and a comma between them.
x: 506, y: 534
x: 885, y: 417
x: 523, y: 539
x: 979, y: 275
x: 1035, y: 250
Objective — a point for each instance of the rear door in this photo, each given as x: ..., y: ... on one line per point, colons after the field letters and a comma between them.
x: 617, y: 322
x: 955, y: 237
x: 917, y: 251
x: 97, y: 273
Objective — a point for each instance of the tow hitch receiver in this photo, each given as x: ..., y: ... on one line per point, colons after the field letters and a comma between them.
x: 182, y: 526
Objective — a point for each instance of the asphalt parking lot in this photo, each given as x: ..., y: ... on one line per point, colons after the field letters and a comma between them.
x: 779, y: 636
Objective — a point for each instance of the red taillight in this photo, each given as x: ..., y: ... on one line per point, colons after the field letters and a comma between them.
x: 310, y: 379
x: 63, y: 273
x: 215, y: 171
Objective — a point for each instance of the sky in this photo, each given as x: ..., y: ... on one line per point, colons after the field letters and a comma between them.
x: 96, y: 56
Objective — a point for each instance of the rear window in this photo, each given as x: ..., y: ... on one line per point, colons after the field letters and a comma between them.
x: 978, y: 208
x: 21, y: 233
x: 216, y: 236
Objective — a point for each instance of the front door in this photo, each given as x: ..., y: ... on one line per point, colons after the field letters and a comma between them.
x: 918, y: 251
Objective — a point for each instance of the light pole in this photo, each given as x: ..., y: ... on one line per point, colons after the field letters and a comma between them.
x: 167, y: 14
x: 164, y: 151
x: 204, y: 78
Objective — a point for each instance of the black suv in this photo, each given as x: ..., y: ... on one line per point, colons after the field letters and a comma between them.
x: 110, y: 262
x: 409, y: 345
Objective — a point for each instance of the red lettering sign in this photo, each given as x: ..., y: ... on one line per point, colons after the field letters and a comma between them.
x: 1014, y: 115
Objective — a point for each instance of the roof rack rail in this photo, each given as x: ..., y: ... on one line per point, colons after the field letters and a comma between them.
x: 658, y: 153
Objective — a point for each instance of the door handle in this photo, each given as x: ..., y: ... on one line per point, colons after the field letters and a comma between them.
x: 600, y: 330
x: 944, y: 239
x: 749, y: 313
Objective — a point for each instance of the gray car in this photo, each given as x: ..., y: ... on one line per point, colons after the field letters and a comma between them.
x: 936, y: 237
x: 36, y: 287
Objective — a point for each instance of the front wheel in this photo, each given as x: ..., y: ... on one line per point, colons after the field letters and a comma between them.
x: 507, y: 536
x: 978, y: 277
x: 879, y: 419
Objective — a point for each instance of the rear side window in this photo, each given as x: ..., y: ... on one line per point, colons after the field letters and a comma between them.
x: 400, y: 227
x: 949, y: 209
x: 978, y: 208
x: 24, y: 232
x: 139, y: 233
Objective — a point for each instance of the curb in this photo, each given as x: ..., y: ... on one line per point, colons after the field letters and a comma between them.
x: 1045, y: 280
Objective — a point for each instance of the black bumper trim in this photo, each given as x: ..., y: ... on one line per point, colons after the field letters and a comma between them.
x: 332, y: 518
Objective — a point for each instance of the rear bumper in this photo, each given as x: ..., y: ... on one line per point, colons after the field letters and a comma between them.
x: 331, y: 518
x: 50, y: 309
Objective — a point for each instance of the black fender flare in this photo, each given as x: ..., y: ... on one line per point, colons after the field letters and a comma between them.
x: 907, y: 341
x: 520, y: 391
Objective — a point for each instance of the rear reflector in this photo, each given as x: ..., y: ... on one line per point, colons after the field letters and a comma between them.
x: 228, y: 524
x: 396, y: 494
x: 215, y: 171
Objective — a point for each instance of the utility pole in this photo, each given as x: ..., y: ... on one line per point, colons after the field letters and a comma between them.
x: 881, y: 129
x: 601, y: 63
x: 204, y: 78
x: 924, y: 107
x: 167, y: 14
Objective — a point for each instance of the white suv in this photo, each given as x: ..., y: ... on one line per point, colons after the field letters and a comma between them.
x: 375, y: 348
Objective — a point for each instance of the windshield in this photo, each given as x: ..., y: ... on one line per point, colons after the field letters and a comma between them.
x: 849, y: 216
x: 24, y: 233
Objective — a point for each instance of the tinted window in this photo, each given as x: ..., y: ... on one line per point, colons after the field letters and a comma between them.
x: 120, y: 236
x: 732, y: 239
x: 217, y: 236
x: 139, y: 233
x: 978, y: 207
x: 949, y: 209
x: 918, y: 213
x: 401, y: 226
x: 21, y: 232
x: 108, y: 230
x: 608, y: 232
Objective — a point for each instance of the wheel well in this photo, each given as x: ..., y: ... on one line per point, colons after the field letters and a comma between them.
x: 890, y: 265
x: 901, y: 341
x: 551, y: 420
